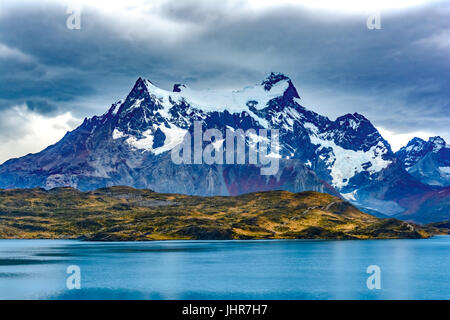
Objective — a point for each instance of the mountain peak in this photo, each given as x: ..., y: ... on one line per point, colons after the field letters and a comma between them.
x: 437, y: 142
x: 355, y: 121
x: 427, y: 160
x: 178, y: 87
x: 272, y: 79
x: 139, y: 96
x: 415, y: 141
x: 433, y: 144
x: 139, y: 82
x: 139, y: 87
x: 359, y: 116
x: 355, y: 116
x: 418, y: 148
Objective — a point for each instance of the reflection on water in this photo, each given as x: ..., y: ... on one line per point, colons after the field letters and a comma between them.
x: 303, y: 269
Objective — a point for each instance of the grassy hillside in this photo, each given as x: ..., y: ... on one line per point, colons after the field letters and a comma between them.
x: 123, y: 213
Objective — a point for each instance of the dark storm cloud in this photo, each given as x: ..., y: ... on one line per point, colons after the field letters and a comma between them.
x: 397, y: 76
x: 40, y: 106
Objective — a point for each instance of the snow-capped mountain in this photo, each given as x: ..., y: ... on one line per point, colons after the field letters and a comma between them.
x: 429, y: 161
x: 130, y: 145
x: 154, y: 120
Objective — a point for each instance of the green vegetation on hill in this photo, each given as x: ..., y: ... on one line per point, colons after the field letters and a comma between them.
x: 123, y: 213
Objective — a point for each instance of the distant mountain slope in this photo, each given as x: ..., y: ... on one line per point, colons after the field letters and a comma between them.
x: 428, y: 161
x: 430, y: 207
x: 123, y: 213
x: 130, y: 145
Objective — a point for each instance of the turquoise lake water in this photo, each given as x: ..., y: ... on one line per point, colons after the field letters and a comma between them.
x: 285, y: 269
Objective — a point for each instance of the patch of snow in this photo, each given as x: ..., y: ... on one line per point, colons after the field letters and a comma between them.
x: 117, y: 134
x: 351, y: 196
x: 115, y: 107
x: 233, y: 101
x: 344, y: 163
x: 298, y: 101
x: 311, y: 127
x: 217, y: 100
x: 353, y: 124
x: 445, y: 170
x: 136, y: 104
x: 145, y: 143
x: 294, y: 113
x: 174, y: 137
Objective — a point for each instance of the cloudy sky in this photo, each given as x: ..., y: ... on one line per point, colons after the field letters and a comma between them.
x: 51, y: 77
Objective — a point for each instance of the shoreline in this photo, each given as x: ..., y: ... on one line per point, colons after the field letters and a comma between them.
x: 216, y: 240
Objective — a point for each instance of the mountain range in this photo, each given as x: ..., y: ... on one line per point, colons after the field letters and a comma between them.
x: 428, y: 161
x: 130, y: 145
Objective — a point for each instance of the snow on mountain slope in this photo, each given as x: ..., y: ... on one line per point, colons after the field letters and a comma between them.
x: 346, y: 163
x: 232, y: 101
